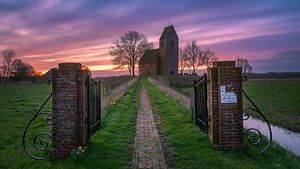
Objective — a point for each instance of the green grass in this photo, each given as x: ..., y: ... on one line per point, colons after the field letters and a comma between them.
x: 110, y: 147
x: 186, y: 90
x: 279, y: 100
x: 191, y: 148
x: 18, y: 102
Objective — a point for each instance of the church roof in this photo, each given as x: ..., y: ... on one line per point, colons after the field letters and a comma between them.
x: 150, y: 56
x: 168, y: 31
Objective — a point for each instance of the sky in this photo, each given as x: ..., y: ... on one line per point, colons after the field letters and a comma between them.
x: 45, y: 33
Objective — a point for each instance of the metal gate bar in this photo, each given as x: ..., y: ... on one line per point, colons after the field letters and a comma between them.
x: 93, y: 91
x: 200, y: 91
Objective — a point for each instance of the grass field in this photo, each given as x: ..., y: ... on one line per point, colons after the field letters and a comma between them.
x: 188, y: 147
x: 18, y: 103
x: 110, y: 147
x: 279, y: 100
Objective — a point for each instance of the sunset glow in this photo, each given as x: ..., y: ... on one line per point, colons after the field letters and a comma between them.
x: 45, y: 33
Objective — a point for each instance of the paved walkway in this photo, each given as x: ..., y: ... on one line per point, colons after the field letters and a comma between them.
x: 148, y: 149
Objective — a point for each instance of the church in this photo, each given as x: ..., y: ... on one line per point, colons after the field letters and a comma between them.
x: 164, y: 60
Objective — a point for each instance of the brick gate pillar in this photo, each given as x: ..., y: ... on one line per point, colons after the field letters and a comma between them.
x: 69, y: 117
x: 224, y: 93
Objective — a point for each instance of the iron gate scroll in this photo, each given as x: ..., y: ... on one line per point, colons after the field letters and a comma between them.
x: 201, y: 114
x: 37, y: 136
x: 93, y: 95
x: 253, y: 134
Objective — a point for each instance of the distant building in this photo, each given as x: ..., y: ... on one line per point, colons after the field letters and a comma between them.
x: 164, y: 60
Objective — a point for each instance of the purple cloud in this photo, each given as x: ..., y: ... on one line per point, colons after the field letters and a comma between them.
x: 64, y: 30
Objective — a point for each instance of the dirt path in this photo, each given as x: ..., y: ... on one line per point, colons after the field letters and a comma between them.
x: 148, y: 149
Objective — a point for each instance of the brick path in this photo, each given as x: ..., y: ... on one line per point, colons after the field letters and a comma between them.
x: 148, y: 149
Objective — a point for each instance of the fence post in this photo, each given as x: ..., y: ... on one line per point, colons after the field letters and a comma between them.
x: 225, y: 118
x: 69, y: 108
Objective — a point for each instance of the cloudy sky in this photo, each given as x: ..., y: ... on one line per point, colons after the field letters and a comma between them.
x: 46, y: 33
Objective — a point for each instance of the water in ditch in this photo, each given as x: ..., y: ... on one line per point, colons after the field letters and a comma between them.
x: 285, y: 138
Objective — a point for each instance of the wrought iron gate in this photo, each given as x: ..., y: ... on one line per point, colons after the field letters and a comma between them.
x: 37, y: 136
x: 253, y: 134
x: 200, y: 91
x: 93, y: 102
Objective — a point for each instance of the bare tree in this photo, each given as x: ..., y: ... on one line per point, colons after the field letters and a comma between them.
x: 21, y: 70
x: 7, y: 63
x: 128, y: 49
x: 182, y: 60
x: 194, y: 54
x: 244, y: 63
x: 208, y: 56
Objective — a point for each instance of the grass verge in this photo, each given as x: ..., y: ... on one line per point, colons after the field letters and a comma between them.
x: 191, y: 148
x: 110, y: 147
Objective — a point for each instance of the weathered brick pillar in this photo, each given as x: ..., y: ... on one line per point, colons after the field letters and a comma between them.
x: 69, y: 108
x: 225, y: 118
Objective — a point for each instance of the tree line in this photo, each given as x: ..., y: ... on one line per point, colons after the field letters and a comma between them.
x: 126, y: 52
x: 14, y: 69
x: 131, y: 46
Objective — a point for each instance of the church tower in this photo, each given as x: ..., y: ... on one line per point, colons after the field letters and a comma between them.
x: 168, y: 51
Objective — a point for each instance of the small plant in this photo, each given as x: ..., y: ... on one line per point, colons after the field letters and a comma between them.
x: 113, y: 102
x: 79, y: 152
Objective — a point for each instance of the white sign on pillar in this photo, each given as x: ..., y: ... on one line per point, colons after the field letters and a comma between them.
x: 227, y: 97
